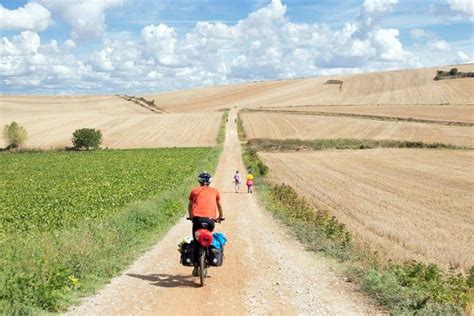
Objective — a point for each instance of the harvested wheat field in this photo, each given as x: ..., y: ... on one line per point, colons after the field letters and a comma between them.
x: 406, y: 203
x: 402, y: 87
x: 50, y: 122
x: 295, y: 126
x: 19, y: 106
x: 444, y: 113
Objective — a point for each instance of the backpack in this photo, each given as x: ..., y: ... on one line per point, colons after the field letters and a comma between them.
x: 215, y: 257
x: 237, y: 178
x: 188, y: 251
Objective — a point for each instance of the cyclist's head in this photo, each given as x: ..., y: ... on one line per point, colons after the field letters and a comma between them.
x: 237, y: 171
x: 205, y: 178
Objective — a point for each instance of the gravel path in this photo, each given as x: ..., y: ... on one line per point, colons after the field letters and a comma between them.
x: 265, y: 270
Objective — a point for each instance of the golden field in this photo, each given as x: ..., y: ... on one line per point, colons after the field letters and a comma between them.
x: 405, y: 203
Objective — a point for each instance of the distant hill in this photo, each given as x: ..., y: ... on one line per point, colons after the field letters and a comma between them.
x: 414, y: 86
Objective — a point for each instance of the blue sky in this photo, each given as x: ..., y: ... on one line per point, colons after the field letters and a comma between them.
x: 136, y: 46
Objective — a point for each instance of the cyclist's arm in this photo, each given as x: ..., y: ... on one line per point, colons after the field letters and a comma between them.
x: 190, y: 209
x: 219, y: 207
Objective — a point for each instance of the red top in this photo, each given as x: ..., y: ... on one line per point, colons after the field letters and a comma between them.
x: 204, y: 199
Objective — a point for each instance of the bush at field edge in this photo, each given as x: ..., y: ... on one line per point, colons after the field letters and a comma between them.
x: 14, y: 135
x: 87, y: 138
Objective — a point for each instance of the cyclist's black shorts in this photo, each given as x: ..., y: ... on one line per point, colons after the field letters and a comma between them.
x: 202, y: 222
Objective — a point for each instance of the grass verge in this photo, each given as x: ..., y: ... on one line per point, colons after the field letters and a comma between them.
x: 410, y: 288
x: 222, y: 127
x: 46, y: 271
x: 261, y: 144
x: 240, y: 128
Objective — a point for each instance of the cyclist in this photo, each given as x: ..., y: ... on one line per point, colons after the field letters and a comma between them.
x: 204, y: 202
x: 249, y: 182
x: 237, y: 181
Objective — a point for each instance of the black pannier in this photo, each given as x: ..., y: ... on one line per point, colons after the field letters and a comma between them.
x: 188, y: 252
x: 215, y: 257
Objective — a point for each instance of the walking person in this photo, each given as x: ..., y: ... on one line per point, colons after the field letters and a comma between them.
x: 249, y: 182
x: 237, y: 181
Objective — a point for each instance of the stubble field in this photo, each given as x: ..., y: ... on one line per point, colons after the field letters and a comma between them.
x: 294, y: 126
x: 50, y: 122
x: 463, y: 114
x: 401, y: 87
x: 406, y: 203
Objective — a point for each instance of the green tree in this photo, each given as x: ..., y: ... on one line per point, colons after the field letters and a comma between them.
x: 87, y: 138
x: 453, y: 71
x: 14, y: 134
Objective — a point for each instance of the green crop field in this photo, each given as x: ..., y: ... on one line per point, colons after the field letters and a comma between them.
x: 71, y: 220
x: 57, y: 189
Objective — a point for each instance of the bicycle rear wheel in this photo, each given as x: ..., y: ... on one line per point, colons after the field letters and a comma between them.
x: 202, y: 267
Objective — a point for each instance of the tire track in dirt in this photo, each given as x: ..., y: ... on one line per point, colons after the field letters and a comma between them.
x: 265, y: 270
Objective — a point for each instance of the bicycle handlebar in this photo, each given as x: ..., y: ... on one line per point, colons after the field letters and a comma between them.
x: 218, y: 220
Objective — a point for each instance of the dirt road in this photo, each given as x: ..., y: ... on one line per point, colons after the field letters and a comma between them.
x: 265, y: 270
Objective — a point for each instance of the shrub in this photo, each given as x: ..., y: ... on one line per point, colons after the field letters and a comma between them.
x: 255, y: 162
x: 453, y: 71
x: 87, y: 138
x: 334, y: 81
x: 14, y: 135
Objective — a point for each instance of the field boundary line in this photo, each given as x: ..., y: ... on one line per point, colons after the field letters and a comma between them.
x: 364, y: 116
x: 143, y: 103
x: 292, y: 145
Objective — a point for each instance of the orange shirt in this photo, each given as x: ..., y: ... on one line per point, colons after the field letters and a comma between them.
x: 204, y: 199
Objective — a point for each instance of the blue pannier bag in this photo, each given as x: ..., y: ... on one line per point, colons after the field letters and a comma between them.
x: 219, y: 240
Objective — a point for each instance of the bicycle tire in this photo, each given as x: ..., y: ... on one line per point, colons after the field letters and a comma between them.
x: 202, y: 263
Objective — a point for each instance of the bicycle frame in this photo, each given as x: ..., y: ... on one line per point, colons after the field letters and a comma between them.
x: 203, y: 254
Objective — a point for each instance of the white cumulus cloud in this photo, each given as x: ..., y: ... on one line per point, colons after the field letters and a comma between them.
x: 69, y: 43
x: 33, y: 16
x: 465, y: 7
x: 439, y: 45
x: 264, y: 45
x: 389, y: 46
x: 418, y: 34
x: 371, y: 6
x: 86, y: 17
x: 463, y: 58
x: 160, y: 41
x: 28, y: 64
